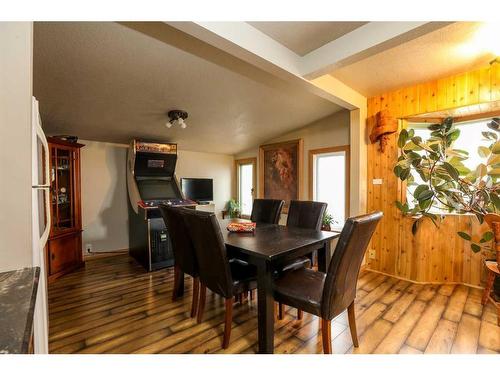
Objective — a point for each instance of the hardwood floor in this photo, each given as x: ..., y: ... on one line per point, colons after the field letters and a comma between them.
x: 113, y: 306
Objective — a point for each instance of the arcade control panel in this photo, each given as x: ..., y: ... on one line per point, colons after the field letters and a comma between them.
x: 150, y: 207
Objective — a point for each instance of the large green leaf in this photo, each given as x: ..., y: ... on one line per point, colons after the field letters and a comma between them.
x: 494, y: 172
x: 481, y: 170
x: 495, y: 149
x: 475, y: 248
x: 404, y: 174
x: 451, y: 170
x: 490, y: 136
x: 397, y: 170
x: 403, y: 137
x: 400, y: 206
x: 493, y: 159
x: 487, y: 236
x: 495, y: 199
x: 425, y: 195
x: 483, y: 152
x: 435, y: 127
x: 464, y: 235
x: 453, y: 136
x: 419, y: 189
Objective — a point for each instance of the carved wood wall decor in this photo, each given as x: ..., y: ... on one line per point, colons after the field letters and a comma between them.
x: 385, y: 125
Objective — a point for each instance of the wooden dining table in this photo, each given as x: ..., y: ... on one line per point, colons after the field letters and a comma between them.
x: 267, y: 248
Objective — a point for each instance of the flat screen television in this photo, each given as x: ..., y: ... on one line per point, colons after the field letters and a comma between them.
x: 198, y: 189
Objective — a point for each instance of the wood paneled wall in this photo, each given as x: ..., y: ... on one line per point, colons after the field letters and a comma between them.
x: 432, y: 255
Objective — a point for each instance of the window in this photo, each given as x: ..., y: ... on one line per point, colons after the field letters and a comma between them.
x: 329, y: 181
x: 469, y: 140
x: 245, y: 178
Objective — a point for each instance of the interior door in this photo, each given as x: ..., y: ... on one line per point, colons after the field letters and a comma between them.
x: 40, y: 226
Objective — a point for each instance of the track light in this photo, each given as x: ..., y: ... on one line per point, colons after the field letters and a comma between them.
x: 177, y: 116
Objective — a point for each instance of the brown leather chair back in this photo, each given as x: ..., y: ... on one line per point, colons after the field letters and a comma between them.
x: 342, y: 276
x: 306, y: 214
x: 266, y: 210
x: 214, y: 270
x: 182, y: 247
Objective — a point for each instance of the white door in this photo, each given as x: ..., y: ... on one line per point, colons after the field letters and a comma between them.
x: 41, y: 226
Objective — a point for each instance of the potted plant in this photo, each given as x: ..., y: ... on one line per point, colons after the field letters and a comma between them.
x: 233, y: 209
x: 327, y: 222
x: 448, y: 184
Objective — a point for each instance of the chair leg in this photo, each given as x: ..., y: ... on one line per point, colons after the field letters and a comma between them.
x: 326, y: 335
x: 196, y: 292
x: 487, y: 289
x: 352, y: 324
x: 300, y: 314
x: 176, y: 283
x: 281, y: 311
x: 201, y: 304
x: 228, y: 322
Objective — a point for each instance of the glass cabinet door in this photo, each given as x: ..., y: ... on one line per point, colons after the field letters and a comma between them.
x: 62, y: 188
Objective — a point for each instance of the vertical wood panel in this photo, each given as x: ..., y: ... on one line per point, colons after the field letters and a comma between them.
x: 431, y: 255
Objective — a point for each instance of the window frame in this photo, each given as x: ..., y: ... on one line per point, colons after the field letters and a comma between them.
x: 312, y: 167
x: 238, y: 163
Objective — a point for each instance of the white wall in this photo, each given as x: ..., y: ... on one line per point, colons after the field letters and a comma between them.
x: 328, y: 132
x: 16, y: 45
x: 104, y: 189
x: 104, y: 196
x: 207, y: 165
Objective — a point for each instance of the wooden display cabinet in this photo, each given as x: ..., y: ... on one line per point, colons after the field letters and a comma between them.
x: 64, y: 248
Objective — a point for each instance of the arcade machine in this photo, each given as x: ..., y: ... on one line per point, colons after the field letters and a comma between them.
x: 150, y: 181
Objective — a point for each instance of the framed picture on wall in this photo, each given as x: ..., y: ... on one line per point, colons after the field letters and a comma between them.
x: 280, y: 171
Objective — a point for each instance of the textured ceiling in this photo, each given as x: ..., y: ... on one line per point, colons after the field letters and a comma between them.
x: 304, y: 37
x: 446, y: 51
x: 108, y: 82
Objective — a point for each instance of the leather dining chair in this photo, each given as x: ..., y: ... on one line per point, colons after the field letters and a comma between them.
x: 307, y: 215
x: 326, y: 295
x: 266, y: 210
x: 217, y: 273
x: 184, y: 254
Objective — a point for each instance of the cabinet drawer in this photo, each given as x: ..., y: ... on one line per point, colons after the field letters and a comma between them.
x: 64, y: 253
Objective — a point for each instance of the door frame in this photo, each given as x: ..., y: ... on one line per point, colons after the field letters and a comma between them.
x: 237, y: 164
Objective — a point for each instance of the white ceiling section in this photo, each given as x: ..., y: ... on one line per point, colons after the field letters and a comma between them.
x: 304, y: 37
x: 242, y: 83
x: 441, y: 53
x: 107, y: 82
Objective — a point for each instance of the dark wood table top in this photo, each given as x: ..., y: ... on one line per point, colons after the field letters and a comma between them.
x: 270, y: 241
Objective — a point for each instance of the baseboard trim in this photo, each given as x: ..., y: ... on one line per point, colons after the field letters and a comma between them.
x: 104, y: 254
x: 424, y: 282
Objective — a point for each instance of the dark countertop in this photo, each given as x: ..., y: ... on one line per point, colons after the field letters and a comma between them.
x: 17, y: 305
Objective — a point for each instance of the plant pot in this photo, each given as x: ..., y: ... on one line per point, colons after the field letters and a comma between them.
x: 326, y: 227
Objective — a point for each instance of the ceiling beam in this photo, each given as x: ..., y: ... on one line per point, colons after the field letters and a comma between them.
x: 362, y: 42
x: 256, y: 48
x: 253, y: 46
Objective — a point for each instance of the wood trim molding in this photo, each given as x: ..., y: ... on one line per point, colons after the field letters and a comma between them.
x: 327, y: 150
x: 237, y: 164
x: 437, y: 119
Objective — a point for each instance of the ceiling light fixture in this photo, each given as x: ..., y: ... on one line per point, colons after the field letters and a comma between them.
x: 178, y: 116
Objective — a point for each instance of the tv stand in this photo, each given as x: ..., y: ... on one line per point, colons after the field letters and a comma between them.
x: 209, y: 207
